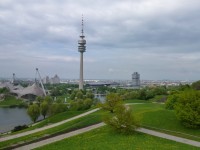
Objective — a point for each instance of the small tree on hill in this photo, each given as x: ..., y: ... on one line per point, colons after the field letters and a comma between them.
x: 44, y: 108
x: 123, y: 120
x: 112, y: 100
x: 33, y: 112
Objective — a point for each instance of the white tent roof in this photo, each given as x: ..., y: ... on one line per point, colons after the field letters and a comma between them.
x: 34, y: 90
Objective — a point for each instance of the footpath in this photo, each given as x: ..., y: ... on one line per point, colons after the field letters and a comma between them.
x: 86, y: 129
x: 79, y: 131
x: 46, y: 127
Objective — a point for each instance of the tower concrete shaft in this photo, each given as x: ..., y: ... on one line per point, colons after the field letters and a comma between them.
x: 81, y: 72
x: 81, y: 49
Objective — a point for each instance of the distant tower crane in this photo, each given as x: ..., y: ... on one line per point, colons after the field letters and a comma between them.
x: 81, y: 49
x: 40, y: 80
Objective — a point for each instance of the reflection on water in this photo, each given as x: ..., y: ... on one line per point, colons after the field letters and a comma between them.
x: 11, y: 117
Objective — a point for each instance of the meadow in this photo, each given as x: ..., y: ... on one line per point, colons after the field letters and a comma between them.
x: 104, y: 138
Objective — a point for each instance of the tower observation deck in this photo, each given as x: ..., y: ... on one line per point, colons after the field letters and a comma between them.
x: 81, y: 49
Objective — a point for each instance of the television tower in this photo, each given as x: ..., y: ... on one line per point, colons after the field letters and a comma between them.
x: 81, y: 49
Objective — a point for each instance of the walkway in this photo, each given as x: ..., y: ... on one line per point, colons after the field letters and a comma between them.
x: 46, y: 127
x: 59, y: 137
x: 169, y: 137
x: 73, y: 133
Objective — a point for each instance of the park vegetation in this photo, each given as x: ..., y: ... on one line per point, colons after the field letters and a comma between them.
x: 121, y: 117
x: 186, y: 104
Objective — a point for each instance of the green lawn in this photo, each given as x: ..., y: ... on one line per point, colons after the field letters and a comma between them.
x: 53, y: 119
x: 11, y: 101
x: 104, y: 139
x: 136, y: 101
x: 155, y: 116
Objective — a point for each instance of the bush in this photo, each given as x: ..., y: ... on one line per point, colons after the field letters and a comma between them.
x: 171, y: 101
x: 187, y: 108
x: 20, y: 127
x: 123, y: 121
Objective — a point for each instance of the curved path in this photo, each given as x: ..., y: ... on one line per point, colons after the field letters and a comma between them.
x: 45, y: 127
x: 79, y: 131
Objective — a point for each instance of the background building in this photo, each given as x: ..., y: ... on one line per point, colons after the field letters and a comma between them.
x: 136, y: 79
x: 53, y: 80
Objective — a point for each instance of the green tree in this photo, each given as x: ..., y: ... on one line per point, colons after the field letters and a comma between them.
x: 87, y: 103
x: 57, y: 108
x: 89, y: 95
x: 39, y: 99
x: 4, y: 90
x: 48, y: 99
x: 112, y: 100
x: 79, y: 95
x: 171, y: 101
x: 33, y: 112
x: 187, y: 108
x: 44, y: 108
x: 196, y: 85
x: 123, y: 120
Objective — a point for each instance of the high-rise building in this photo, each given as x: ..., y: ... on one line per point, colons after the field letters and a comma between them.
x: 81, y: 49
x: 136, y: 79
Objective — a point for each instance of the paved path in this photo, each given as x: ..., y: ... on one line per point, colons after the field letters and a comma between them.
x: 46, y: 127
x: 73, y: 133
x: 59, y: 137
x: 169, y: 137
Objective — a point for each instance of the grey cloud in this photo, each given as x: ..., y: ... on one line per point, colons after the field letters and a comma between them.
x: 148, y: 36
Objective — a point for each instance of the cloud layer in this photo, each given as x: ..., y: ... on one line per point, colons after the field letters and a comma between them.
x: 159, y: 39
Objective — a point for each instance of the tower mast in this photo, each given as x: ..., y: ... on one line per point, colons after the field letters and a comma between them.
x: 81, y: 49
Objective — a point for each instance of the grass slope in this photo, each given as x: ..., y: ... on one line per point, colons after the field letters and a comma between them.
x: 11, y: 101
x: 155, y: 116
x: 103, y: 138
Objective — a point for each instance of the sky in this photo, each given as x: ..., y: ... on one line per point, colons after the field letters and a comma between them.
x: 158, y: 39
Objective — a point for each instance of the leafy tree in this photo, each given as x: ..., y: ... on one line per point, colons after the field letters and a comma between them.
x: 48, y: 99
x: 4, y: 90
x: 79, y: 95
x: 123, y: 120
x: 187, y: 108
x: 142, y: 94
x: 89, y: 95
x: 112, y: 100
x: 39, y: 99
x: 33, y: 112
x: 44, y: 108
x: 73, y: 95
x: 87, y: 103
x: 171, y: 101
x: 196, y: 85
x: 161, y: 90
x: 57, y: 108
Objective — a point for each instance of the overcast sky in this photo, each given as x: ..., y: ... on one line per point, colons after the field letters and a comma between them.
x: 160, y: 39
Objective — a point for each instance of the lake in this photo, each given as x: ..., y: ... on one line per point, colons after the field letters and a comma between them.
x: 11, y: 117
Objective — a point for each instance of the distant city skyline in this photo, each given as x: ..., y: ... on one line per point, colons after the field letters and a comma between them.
x: 158, y: 39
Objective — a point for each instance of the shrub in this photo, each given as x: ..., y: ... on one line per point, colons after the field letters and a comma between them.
x: 171, y: 101
x: 188, y: 108
x: 123, y: 120
x: 20, y: 127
